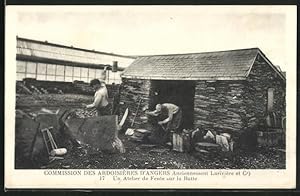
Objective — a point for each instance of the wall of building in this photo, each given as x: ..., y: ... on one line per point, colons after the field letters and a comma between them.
x: 261, y: 78
x: 239, y: 105
x: 222, y: 106
x: 63, y: 73
x: 131, y: 91
x: 219, y: 106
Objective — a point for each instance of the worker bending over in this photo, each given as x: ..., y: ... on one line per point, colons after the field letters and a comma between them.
x: 100, y: 98
x: 172, y: 117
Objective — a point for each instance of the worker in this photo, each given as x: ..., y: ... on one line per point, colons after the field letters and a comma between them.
x: 172, y: 117
x: 100, y: 98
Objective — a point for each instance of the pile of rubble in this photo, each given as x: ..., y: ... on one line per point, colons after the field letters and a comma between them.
x: 83, y: 113
x: 31, y: 86
x: 137, y: 135
x: 34, y: 88
x: 202, y: 141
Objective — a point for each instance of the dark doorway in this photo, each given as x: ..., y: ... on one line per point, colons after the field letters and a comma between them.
x: 177, y: 92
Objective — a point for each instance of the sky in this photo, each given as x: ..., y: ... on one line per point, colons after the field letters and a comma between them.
x: 147, y: 30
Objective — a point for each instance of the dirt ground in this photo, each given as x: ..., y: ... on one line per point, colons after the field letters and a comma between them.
x: 141, y: 156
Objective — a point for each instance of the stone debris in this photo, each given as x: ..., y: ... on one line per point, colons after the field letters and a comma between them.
x: 147, y: 145
x: 129, y: 132
x: 138, y: 135
x: 159, y: 150
x: 83, y: 113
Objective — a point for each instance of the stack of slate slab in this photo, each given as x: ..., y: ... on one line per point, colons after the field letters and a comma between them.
x: 131, y: 93
x: 206, y: 147
x: 220, y: 105
x: 84, y: 88
x: 139, y: 135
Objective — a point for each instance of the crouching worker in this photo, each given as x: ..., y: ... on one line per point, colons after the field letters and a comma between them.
x: 100, y: 103
x: 170, y: 116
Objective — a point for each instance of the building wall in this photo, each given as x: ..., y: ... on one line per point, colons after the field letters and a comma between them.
x: 239, y: 105
x: 261, y: 78
x: 219, y: 106
x: 130, y: 93
x: 222, y: 106
x: 61, y: 72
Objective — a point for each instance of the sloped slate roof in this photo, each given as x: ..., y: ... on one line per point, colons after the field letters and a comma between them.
x: 223, y: 65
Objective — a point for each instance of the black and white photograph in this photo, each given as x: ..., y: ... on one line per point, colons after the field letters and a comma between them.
x: 108, y: 91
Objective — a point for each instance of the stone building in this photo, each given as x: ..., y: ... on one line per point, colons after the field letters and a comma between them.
x: 223, y: 91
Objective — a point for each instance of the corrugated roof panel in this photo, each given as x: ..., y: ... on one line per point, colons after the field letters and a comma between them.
x: 58, y: 52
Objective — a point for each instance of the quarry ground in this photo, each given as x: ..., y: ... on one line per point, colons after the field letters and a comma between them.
x: 139, y: 156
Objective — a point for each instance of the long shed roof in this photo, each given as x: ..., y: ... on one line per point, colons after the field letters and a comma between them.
x: 34, y: 50
x: 221, y: 65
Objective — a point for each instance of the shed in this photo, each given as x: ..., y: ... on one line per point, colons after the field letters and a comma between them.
x: 223, y: 91
x: 47, y: 61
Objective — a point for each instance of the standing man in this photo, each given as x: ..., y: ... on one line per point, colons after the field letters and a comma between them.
x: 100, y: 98
x: 172, y: 117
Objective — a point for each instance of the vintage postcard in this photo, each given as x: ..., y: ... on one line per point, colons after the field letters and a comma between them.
x: 150, y: 97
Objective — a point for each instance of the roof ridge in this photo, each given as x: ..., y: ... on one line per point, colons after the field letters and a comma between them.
x: 255, y: 48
